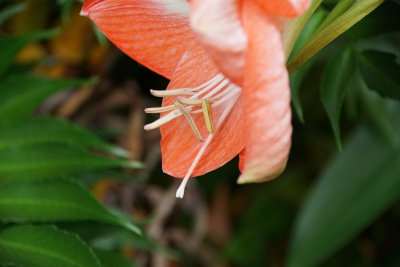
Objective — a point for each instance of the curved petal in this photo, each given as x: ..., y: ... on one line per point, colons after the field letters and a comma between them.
x: 156, y: 33
x: 218, y: 27
x: 179, y: 147
x: 266, y: 96
x: 284, y: 8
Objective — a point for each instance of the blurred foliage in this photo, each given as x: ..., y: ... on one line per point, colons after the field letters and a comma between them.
x: 358, y: 184
x: 40, y: 157
x: 336, y: 204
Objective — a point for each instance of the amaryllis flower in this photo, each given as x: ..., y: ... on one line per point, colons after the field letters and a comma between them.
x: 229, y: 91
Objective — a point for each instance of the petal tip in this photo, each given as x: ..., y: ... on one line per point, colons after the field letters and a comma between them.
x: 248, y: 177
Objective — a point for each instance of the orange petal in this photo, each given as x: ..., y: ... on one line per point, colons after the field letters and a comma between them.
x: 218, y: 27
x: 284, y: 8
x: 155, y: 33
x: 179, y: 146
x: 266, y: 97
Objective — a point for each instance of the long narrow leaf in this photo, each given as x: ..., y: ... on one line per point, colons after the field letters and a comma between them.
x: 332, y: 31
x: 357, y: 186
x: 387, y: 43
x: 52, y: 161
x: 334, y: 87
x: 312, y: 25
x: 337, y: 11
x: 295, y: 26
x: 34, y: 131
x: 296, y: 80
x: 44, y: 246
x: 381, y: 73
x: 110, y: 237
x: 53, y: 201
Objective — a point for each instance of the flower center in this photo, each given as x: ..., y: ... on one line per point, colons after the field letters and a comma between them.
x: 217, y: 92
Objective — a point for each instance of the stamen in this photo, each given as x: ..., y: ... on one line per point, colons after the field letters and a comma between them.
x: 224, y: 96
x: 175, y: 113
x: 190, y: 102
x: 231, y: 91
x: 188, y: 91
x: 163, y: 120
x: 214, y: 80
x: 181, y: 190
x: 172, y: 92
x: 207, y: 112
x: 190, y: 120
x: 212, y: 92
x: 159, y: 109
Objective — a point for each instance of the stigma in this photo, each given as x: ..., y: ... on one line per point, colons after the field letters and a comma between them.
x: 217, y: 92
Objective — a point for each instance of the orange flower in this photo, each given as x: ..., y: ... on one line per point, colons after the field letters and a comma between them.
x: 229, y: 91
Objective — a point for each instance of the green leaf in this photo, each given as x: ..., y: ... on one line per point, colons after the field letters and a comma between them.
x: 377, y: 110
x: 92, y: 177
x: 266, y: 220
x: 312, y: 25
x: 109, y: 237
x: 341, y: 7
x: 357, y: 186
x: 296, y: 79
x: 322, y: 38
x: 112, y: 259
x: 34, y: 131
x: 54, y: 201
x: 44, y: 246
x: 11, y: 46
x: 381, y: 73
x: 387, y: 42
x: 52, y: 161
x: 10, y: 11
x: 383, y: 20
x: 294, y: 27
x: 21, y: 94
x: 334, y: 86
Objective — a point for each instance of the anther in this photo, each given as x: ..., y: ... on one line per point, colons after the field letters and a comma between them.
x: 207, y: 112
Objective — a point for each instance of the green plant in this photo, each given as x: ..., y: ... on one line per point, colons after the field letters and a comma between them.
x: 42, y: 161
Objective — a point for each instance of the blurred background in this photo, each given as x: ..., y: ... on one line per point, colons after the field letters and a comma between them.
x: 335, y: 205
